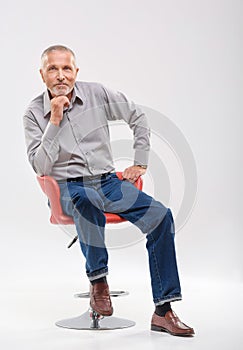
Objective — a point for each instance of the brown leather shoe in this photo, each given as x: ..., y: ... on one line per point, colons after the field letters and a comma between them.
x: 100, y: 299
x: 171, y: 324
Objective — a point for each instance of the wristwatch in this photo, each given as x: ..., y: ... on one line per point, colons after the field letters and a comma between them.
x: 142, y: 166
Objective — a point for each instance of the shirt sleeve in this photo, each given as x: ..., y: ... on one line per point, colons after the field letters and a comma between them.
x: 119, y: 107
x: 42, y: 147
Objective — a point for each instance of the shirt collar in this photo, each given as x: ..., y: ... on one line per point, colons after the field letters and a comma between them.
x: 77, y: 94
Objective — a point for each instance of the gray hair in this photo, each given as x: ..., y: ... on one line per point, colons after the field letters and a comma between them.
x: 56, y: 48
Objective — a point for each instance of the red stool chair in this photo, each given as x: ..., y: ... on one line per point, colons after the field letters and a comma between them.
x: 90, y: 319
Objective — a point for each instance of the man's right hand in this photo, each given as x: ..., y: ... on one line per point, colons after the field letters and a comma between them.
x: 58, y: 103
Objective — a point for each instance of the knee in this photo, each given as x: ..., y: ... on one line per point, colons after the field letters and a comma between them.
x: 160, y: 215
x: 166, y: 214
x: 159, y: 211
x: 169, y: 214
x: 168, y: 222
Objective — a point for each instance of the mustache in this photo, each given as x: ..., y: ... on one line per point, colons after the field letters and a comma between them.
x: 61, y: 84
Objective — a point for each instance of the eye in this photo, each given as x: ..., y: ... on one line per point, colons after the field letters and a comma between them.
x: 67, y: 68
x: 51, y: 68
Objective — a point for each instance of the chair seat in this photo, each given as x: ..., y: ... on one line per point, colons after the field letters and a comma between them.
x: 50, y: 187
x: 63, y: 219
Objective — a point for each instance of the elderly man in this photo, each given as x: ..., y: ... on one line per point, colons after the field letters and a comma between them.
x: 67, y: 137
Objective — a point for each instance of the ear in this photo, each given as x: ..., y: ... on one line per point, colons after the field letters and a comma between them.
x: 42, y: 75
x: 77, y: 70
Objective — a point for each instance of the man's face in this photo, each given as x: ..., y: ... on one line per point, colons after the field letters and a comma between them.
x: 59, y: 73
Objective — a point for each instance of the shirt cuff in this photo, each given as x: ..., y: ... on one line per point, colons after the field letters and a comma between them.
x: 141, y: 157
x: 50, y: 131
x: 50, y: 141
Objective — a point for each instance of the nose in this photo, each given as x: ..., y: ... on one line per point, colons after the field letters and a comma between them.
x: 60, y: 75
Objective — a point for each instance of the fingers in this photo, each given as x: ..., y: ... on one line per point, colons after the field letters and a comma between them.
x: 130, y: 177
x: 132, y: 173
x: 57, y: 105
x: 60, y: 101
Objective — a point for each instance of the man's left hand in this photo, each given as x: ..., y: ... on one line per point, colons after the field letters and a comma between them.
x: 133, y: 172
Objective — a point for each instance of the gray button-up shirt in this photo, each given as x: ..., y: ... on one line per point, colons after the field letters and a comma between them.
x: 80, y: 146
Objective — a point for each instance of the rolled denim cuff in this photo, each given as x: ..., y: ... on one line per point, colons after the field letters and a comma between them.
x: 168, y: 299
x: 97, y: 274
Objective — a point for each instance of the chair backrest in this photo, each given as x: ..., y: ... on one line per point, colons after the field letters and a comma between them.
x: 50, y: 187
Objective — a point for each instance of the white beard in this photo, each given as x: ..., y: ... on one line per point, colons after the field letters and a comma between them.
x: 61, y: 91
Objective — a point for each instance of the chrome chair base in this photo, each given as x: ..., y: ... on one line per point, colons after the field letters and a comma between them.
x: 90, y: 320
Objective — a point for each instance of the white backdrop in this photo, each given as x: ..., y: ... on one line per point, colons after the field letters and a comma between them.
x: 181, y: 58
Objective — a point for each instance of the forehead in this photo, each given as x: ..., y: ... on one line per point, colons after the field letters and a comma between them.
x: 58, y: 57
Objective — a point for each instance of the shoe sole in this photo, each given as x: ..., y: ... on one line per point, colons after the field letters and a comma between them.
x: 161, y: 329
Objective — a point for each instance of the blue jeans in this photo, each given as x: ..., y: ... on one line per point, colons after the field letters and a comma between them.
x: 87, y: 200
